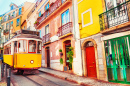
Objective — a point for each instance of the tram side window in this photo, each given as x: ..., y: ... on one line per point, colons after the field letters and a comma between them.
x: 15, y: 47
x: 32, y: 46
x: 7, y: 49
x: 22, y: 46
x: 39, y: 47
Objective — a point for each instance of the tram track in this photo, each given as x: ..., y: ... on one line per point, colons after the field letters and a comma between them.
x: 32, y: 81
x: 40, y: 81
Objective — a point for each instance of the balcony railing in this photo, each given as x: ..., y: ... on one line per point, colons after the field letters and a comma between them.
x: 53, y: 6
x: 46, y: 38
x: 65, y: 29
x: 115, y: 16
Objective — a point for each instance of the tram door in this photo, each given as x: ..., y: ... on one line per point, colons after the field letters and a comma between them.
x: 118, y: 60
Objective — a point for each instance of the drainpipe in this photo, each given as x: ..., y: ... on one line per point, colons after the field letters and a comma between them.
x: 9, y: 30
x: 73, y: 20
x: 73, y: 3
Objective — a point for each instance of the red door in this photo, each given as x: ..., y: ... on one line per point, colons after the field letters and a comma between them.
x: 91, y: 64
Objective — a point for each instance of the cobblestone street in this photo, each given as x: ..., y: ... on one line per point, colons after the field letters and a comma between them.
x: 41, y: 79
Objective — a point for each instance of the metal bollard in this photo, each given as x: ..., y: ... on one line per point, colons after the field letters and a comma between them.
x: 2, y: 69
x: 8, y: 77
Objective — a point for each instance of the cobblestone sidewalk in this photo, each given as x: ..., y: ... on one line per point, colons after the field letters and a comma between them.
x: 79, y: 79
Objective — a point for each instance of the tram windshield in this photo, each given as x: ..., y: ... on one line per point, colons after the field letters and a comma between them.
x: 32, y: 46
x: 22, y: 46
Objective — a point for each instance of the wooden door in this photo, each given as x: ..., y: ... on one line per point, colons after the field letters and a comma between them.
x: 48, y: 57
x: 91, y: 63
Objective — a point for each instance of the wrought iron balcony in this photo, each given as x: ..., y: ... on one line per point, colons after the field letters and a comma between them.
x: 53, y: 7
x: 115, y: 16
x: 65, y: 29
x: 46, y: 38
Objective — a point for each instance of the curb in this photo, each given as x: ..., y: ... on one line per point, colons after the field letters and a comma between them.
x: 81, y: 83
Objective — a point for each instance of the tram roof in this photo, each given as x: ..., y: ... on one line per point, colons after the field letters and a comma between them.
x: 25, y: 34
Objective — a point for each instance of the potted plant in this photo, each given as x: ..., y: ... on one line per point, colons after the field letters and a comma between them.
x: 61, y: 54
x: 36, y: 23
x: 61, y: 61
x: 70, y: 55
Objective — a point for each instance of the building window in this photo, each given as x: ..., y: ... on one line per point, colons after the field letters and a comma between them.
x: 47, y: 6
x: 5, y: 18
x: 12, y: 7
x: 32, y: 46
x: 7, y: 26
x: 39, y: 14
x: 11, y: 23
x: 40, y: 33
x: 20, y: 11
x: 113, y: 3
x: 65, y: 17
x: 46, y: 29
x: 13, y: 14
x: 18, y: 21
x: 63, y: 1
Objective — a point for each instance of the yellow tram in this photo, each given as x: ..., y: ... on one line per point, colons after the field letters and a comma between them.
x: 23, y: 51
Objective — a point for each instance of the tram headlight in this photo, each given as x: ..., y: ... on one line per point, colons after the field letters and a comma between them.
x: 31, y: 61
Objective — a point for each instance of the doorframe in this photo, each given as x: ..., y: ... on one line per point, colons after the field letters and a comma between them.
x: 83, y: 48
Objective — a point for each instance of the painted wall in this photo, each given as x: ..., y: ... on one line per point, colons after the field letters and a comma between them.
x: 88, y: 11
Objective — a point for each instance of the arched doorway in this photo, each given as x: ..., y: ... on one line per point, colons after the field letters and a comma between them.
x: 67, y: 45
x: 90, y: 60
x: 89, y: 55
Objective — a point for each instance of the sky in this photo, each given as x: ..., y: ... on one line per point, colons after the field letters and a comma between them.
x: 4, y: 4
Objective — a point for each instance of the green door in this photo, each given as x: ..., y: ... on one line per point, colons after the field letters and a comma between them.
x: 118, y: 59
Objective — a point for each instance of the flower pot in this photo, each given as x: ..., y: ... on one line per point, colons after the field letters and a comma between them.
x: 61, y: 54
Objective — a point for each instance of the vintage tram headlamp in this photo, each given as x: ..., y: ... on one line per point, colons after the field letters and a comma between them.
x: 31, y: 61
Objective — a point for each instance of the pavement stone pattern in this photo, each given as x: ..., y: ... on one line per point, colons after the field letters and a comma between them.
x: 3, y: 84
x: 79, y: 79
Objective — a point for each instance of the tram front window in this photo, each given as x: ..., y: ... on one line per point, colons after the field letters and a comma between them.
x: 32, y: 46
x: 22, y: 46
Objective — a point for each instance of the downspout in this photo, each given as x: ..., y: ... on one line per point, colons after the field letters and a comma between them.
x: 73, y: 19
x: 79, y: 33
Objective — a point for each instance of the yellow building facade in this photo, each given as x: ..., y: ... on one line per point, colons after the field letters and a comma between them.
x: 90, y: 38
x: 88, y: 11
